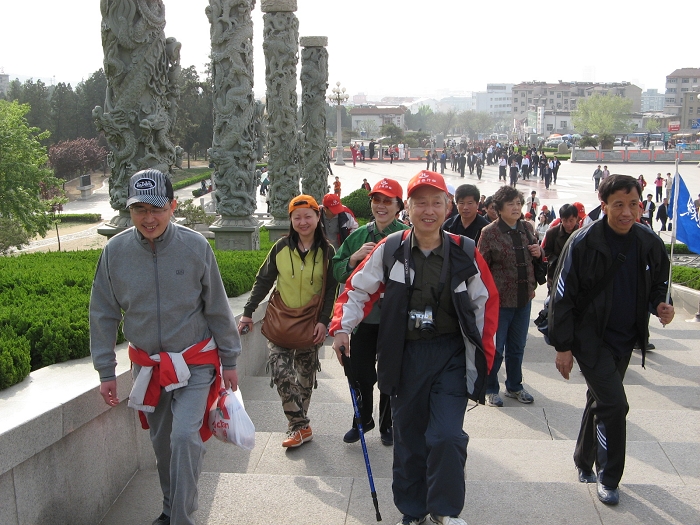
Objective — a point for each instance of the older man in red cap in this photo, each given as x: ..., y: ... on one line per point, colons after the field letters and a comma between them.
x: 440, y: 289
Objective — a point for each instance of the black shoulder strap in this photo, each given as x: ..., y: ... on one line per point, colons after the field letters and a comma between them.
x: 392, y: 243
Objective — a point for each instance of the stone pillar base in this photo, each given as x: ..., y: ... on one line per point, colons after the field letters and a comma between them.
x: 236, y: 233
x: 85, y: 192
x: 278, y: 228
x: 118, y: 224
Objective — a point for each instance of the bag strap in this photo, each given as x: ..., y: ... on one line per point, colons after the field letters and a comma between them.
x: 319, y: 307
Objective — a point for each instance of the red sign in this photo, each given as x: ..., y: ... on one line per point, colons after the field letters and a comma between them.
x: 674, y: 125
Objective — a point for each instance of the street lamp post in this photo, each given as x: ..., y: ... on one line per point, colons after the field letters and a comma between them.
x: 338, y: 97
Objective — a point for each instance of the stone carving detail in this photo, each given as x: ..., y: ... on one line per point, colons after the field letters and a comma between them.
x: 314, y: 84
x: 238, y: 131
x: 280, y: 43
x: 142, y: 69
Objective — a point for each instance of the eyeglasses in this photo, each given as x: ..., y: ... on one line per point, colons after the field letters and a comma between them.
x: 386, y: 201
x: 141, y: 211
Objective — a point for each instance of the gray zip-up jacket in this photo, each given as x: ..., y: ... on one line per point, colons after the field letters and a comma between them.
x: 169, y: 298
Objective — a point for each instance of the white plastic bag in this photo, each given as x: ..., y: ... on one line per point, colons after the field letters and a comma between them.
x: 229, y: 422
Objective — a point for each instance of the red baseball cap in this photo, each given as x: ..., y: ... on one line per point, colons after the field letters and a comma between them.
x: 388, y: 187
x: 426, y: 178
x: 332, y: 202
x: 581, y: 209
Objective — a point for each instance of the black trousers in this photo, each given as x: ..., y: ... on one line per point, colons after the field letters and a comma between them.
x: 430, y: 446
x: 603, y: 434
x: 363, y: 360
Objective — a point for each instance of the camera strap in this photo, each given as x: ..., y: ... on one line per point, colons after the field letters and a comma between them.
x: 443, y: 270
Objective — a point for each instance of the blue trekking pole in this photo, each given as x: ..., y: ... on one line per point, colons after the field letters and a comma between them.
x: 356, y: 401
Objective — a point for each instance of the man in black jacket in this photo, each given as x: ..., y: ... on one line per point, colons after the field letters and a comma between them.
x: 582, y: 323
x: 467, y: 222
x: 556, y: 237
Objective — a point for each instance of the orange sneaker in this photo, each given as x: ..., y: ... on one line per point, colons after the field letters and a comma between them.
x: 296, y: 438
x: 306, y: 433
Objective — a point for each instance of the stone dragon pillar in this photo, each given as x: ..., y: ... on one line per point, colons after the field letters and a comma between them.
x: 238, y: 124
x: 314, y: 84
x: 280, y: 44
x: 143, y: 70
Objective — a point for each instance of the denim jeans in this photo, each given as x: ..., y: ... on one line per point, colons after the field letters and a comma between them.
x: 510, y: 340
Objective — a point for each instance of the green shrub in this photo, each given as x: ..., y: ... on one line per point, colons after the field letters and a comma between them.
x: 686, y: 276
x: 679, y: 249
x: 87, y: 218
x: 192, y: 180
x: 358, y: 202
x: 44, y: 301
x: 14, y: 357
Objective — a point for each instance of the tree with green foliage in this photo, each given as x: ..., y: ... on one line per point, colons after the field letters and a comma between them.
x: 23, y: 172
x: 90, y: 93
x: 37, y: 96
x: 419, y: 121
x: 652, y: 124
x: 443, y: 121
x: 474, y: 122
x: 392, y: 131
x: 194, y: 123
x: 64, y: 113
x: 603, y: 114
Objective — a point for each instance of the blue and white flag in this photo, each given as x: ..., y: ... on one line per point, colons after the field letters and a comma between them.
x: 686, y: 219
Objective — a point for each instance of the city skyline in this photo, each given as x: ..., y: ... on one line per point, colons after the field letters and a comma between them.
x: 379, y: 49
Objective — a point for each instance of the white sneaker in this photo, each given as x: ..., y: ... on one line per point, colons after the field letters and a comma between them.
x: 447, y: 520
x: 406, y: 521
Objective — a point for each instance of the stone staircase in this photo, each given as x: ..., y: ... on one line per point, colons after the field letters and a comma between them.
x: 519, y: 468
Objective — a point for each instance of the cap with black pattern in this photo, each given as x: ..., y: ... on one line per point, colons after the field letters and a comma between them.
x: 150, y: 186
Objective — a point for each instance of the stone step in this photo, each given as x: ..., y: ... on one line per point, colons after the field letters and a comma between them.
x: 230, y: 498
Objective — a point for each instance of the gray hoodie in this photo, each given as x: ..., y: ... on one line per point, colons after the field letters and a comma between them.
x: 169, y: 298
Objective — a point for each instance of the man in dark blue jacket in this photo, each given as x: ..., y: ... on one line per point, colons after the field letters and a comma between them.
x: 583, y: 324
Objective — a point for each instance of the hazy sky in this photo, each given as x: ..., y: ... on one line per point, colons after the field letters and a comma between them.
x: 390, y: 47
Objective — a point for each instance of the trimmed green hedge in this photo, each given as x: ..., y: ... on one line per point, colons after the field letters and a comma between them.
x: 44, y: 300
x: 192, y: 180
x: 679, y: 249
x: 358, y: 202
x: 80, y: 217
x: 686, y: 276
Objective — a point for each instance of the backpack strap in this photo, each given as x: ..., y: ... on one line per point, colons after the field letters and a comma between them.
x: 391, y: 244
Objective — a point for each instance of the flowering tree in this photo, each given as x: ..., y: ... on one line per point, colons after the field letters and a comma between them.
x: 74, y: 157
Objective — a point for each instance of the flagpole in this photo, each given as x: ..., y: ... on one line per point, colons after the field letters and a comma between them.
x: 674, y: 223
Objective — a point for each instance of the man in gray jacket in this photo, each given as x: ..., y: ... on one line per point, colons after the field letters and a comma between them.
x: 162, y: 281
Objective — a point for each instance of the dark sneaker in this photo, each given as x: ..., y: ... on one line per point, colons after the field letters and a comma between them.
x: 586, y: 476
x: 163, y: 519
x: 387, y: 437
x: 608, y: 495
x: 353, y: 435
x: 410, y: 520
x: 521, y: 395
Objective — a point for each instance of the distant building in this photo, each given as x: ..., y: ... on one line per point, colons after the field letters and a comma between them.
x: 545, y: 108
x: 496, y: 101
x: 652, y: 100
x: 678, y: 83
x: 690, y: 112
x: 457, y: 104
x: 371, y: 119
x: 359, y: 99
x: 4, y: 83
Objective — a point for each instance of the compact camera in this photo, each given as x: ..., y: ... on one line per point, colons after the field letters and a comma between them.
x: 423, y: 322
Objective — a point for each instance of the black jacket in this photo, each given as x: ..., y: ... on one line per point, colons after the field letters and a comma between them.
x: 583, y: 263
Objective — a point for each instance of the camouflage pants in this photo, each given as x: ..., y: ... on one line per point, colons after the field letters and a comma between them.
x: 294, y: 374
